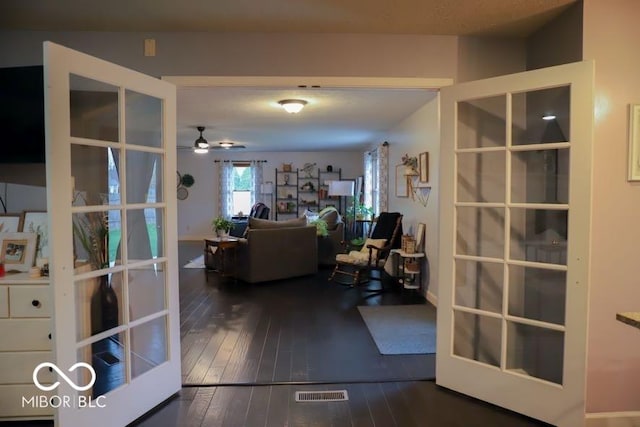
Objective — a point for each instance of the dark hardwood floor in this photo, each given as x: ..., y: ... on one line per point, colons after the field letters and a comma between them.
x: 246, y: 350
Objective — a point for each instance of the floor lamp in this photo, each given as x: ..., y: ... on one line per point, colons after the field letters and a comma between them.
x: 345, y: 189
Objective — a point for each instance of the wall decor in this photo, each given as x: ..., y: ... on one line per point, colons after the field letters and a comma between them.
x: 420, y: 237
x: 10, y: 223
x: 37, y: 222
x: 18, y: 250
x: 423, y: 166
x: 634, y: 142
x: 402, y: 188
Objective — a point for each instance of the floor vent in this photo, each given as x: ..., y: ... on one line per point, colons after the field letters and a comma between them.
x: 322, y: 396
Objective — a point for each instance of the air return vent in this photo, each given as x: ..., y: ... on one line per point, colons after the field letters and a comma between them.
x: 322, y: 396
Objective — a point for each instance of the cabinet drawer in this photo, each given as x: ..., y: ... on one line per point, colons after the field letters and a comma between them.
x: 4, y: 301
x: 11, y: 404
x: 19, y: 366
x: 29, y: 301
x: 25, y: 334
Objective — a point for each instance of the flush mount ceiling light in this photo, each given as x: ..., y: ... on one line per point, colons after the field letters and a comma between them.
x: 201, y: 145
x: 226, y: 144
x: 293, y: 106
x: 549, y: 117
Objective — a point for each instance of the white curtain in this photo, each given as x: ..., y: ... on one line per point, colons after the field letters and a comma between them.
x: 225, y: 191
x: 376, y: 176
x: 256, y: 181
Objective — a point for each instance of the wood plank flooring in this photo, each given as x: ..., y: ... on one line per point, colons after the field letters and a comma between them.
x: 246, y: 350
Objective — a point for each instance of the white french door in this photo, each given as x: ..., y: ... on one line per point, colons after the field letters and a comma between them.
x: 514, y: 240
x: 110, y: 138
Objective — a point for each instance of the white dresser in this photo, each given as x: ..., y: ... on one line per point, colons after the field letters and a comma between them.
x: 25, y: 342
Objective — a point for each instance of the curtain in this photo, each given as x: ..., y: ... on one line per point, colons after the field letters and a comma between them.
x: 376, y: 175
x: 256, y: 181
x: 225, y: 190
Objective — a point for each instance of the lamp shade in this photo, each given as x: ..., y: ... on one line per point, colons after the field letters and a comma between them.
x: 341, y: 188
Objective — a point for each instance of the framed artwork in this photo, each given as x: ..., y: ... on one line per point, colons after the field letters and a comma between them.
x: 423, y: 166
x: 634, y: 142
x: 420, y: 237
x: 36, y: 222
x: 18, y: 250
x: 10, y: 223
x: 402, y: 187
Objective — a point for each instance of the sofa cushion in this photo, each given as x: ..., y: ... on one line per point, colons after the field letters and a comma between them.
x: 257, y: 223
x: 331, y: 217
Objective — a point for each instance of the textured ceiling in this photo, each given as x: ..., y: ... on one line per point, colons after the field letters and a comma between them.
x: 453, y: 17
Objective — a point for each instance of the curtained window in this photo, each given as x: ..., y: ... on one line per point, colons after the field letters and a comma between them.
x: 239, y: 187
x: 376, y: 177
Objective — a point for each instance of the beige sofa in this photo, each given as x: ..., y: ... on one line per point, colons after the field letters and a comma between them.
x: 273, y: 250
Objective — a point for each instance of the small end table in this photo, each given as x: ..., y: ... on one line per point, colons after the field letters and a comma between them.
x: 409, y: 278
x: 216, y: 252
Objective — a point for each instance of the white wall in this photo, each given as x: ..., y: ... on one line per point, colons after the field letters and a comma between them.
x: 418, y: 133
x: 196, y: 212
x: 18, y: 197
x: 613, y: 359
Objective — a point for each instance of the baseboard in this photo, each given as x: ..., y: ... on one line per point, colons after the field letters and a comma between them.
x: 612, y: 419
x: 432, y: 298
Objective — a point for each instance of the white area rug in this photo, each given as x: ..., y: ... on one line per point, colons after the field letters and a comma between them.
x: 196, y: 263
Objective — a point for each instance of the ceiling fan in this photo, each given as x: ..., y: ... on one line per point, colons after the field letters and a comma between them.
x: 201, y: 145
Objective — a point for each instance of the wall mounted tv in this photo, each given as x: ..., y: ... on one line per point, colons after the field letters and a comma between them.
x: 22, y: 115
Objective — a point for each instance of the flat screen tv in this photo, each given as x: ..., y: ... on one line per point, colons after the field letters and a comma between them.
x: 22, y: 115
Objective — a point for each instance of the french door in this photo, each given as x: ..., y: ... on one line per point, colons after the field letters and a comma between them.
x: 514, y: 240
x: 110, y: 141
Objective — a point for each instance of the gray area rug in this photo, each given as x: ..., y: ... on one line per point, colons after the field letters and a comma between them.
x: 196, y: 263
x: 402, y: 329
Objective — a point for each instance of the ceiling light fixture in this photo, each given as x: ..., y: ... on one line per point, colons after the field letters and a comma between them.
x: 548, y: 117
x: 201, y: 145
x: 293, y: 106
x: 226, y: 144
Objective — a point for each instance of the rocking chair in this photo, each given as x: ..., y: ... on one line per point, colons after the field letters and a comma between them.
x: 386, y: 234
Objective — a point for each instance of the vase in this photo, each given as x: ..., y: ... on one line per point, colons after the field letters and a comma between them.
x: 222, y: 233
x: 104, y: 307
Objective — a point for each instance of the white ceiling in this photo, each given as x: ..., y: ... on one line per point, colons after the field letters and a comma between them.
x: 335, y: 119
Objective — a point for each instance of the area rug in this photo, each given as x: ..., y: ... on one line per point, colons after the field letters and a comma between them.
x: 196, y: 263
x: 401, y: 329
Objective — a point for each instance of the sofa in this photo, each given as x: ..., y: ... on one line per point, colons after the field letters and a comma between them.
x: 332, y: 244
x: 273, y: 250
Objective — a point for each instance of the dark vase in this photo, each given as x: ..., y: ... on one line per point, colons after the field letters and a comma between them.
x: 329, y: 168
x: 104, y: 307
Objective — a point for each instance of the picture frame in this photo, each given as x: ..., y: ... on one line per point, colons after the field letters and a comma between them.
x: 634, y: 142
x: 10, y: 223
x: 37, y: 222
x: 420, y: 237
x: 423, y: 167
x: 402, y: 186
x: 18, y: 250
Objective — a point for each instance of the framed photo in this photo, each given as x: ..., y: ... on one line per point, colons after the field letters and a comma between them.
x: 36, y: 222
x: 402, y: 187
x: 634, y: 142
x: 10, y: 223
x: 18, y: 250
x: 420, y: 237
x: 423, y: 166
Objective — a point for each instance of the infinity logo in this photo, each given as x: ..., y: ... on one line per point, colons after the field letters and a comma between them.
x: 63, y: 376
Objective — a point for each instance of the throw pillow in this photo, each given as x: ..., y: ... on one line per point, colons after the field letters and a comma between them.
x: 331, y: 216
x: 378, y: 243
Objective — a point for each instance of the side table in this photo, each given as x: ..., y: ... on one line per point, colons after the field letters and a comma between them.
x: 408, y: 277
x: 217, y: 250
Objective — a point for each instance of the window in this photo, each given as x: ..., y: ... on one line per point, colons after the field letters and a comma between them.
x: 241, y: 189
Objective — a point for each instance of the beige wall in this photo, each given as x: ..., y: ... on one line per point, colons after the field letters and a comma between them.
x: 611, y: 33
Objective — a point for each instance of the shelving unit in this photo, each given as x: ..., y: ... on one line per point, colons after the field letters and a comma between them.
x: 323, y: 189
x: 308, y: 187
x: 286, y: 206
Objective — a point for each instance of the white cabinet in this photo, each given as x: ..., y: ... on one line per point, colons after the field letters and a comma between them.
x: 25, y: 342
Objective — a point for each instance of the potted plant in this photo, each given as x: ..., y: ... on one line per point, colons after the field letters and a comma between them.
x: 222, y: 226
x: 321, y: 227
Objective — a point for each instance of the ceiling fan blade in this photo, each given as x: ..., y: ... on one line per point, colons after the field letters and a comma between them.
x: 234, y: 147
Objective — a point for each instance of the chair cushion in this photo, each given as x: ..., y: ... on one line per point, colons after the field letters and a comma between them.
x: 257, y: 223
x: 331, y: 216
x: 378, y: 243
x: 357, y: 258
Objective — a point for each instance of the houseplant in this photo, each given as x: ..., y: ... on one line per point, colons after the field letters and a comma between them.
x: 222, y: 226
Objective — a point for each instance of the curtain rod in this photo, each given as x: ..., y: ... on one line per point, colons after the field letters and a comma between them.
x: 240, y: 161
